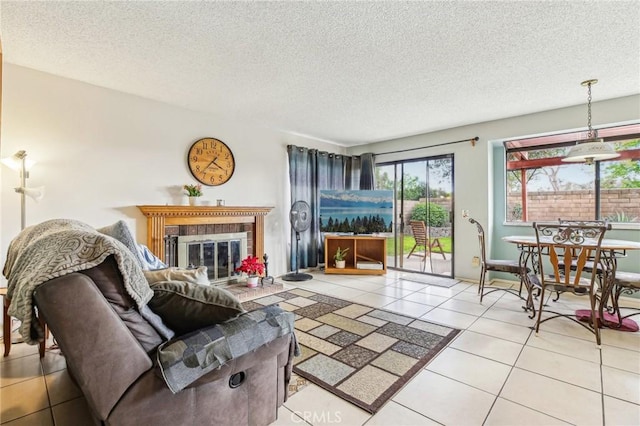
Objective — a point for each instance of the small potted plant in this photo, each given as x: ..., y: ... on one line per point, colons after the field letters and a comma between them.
x: 193, y: 191
x: 339, y: 257
x: 252, y: 267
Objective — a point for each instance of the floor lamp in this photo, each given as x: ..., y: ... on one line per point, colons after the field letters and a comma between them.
x: 20, y: 163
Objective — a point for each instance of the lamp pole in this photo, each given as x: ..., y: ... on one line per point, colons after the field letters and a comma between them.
x: 18, y: 162
x: 22, y: 156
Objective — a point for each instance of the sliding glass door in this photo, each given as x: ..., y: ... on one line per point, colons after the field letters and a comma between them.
x: 422, y: 239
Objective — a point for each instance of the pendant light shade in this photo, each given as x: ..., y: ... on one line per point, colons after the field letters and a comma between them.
x: 593, y: 148
x: 589, y: 151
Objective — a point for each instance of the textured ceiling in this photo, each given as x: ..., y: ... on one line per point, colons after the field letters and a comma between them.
x: 348, y: 72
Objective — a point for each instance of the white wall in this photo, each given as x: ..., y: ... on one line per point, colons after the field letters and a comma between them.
x: 474, y: 166
x: 101, y: 152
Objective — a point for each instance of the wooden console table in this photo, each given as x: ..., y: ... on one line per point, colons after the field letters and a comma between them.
x: 361, y: 249
x: 158, y: 217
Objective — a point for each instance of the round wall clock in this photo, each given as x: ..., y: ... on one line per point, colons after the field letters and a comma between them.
x: 211, y: 161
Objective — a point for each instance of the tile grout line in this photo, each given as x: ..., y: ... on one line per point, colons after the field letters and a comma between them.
x: 513, y: 367
x: 408, y: 408
x: 604, y: 417
x: 507, y: 379
x: 46, y: 387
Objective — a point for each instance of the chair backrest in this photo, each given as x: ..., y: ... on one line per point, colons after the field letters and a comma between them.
x: 480, y: 239
x: 569, y: 247
x: 419, y: 230
x: 603, y: 222
x: 578, y: 222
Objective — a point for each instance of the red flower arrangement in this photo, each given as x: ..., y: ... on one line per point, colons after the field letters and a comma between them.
x: 251, y: 266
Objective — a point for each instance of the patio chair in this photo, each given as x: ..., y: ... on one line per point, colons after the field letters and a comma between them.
x: 568, y: 248
x: 421, y: 234
x: 422, y: 239
x: 498, y: 265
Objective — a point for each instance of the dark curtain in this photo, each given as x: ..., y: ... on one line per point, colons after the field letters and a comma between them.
x: 367, y: 171
x: 352, y: 173
x: 310, y: 171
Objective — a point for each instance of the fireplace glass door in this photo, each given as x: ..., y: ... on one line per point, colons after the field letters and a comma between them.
x: 220, y: 256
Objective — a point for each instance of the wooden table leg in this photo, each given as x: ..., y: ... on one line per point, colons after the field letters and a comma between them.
x: 6, y: 322
x: 43, y: 345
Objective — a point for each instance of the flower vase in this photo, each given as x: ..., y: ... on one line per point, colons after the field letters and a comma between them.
x: 194, y: 201
x: 252, y: 281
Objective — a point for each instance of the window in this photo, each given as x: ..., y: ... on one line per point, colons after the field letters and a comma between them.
x: 541, y: 187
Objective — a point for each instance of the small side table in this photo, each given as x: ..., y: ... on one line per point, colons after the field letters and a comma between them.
x: 6, y: 326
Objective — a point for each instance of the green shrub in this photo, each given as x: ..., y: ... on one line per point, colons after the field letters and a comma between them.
x: 516, y: 212
x: 438, y: 216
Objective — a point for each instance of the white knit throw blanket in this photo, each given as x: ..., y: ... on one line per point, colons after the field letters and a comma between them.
x: 55, y: 248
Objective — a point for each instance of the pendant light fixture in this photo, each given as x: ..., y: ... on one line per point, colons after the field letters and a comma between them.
x: 593, y: 148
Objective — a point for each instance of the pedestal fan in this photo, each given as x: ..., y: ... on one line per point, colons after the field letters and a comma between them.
x: 300, y: 218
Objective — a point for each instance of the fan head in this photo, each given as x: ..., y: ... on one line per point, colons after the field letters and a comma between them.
x: 300, y: 216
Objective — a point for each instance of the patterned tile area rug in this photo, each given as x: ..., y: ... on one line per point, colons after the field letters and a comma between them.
x: 362, y: 354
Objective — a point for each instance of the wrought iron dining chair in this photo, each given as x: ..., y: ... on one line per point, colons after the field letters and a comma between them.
x: 625, y: 283
x: 589, y: 266
x: 603, y: 222
x: 568, y: 248
x: 421, y: 234
x: 498, y: 265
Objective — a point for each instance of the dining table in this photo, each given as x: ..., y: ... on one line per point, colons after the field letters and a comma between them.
x: 610, y: 251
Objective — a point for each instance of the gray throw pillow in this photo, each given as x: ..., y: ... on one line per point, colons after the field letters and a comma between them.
x: 120, y: 231
x: 186, y: 307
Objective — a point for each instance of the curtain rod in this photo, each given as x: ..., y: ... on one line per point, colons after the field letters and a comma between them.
x: 472, y: 140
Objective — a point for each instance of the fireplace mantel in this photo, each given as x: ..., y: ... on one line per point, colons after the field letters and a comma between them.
x: 160, y: 216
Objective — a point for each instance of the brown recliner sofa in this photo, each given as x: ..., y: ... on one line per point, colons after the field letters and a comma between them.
x: 110, y: 350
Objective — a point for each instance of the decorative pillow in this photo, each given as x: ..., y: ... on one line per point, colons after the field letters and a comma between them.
x: 120, y: 231
x: 187, y: 307
x: 151, y: 261
x: 195, y: 276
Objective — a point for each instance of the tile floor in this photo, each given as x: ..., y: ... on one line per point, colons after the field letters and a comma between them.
x: 496, y: 372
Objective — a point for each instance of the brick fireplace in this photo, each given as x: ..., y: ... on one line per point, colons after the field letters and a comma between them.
x: 166, y: 223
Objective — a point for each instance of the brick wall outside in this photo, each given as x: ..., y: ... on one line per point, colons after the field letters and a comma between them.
x: 619, y: 205
x: 616, y: 204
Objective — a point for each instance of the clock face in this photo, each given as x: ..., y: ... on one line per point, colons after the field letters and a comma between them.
x: 211, y: 161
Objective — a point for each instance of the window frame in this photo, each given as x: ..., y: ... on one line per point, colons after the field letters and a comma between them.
x: 520, y: 147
